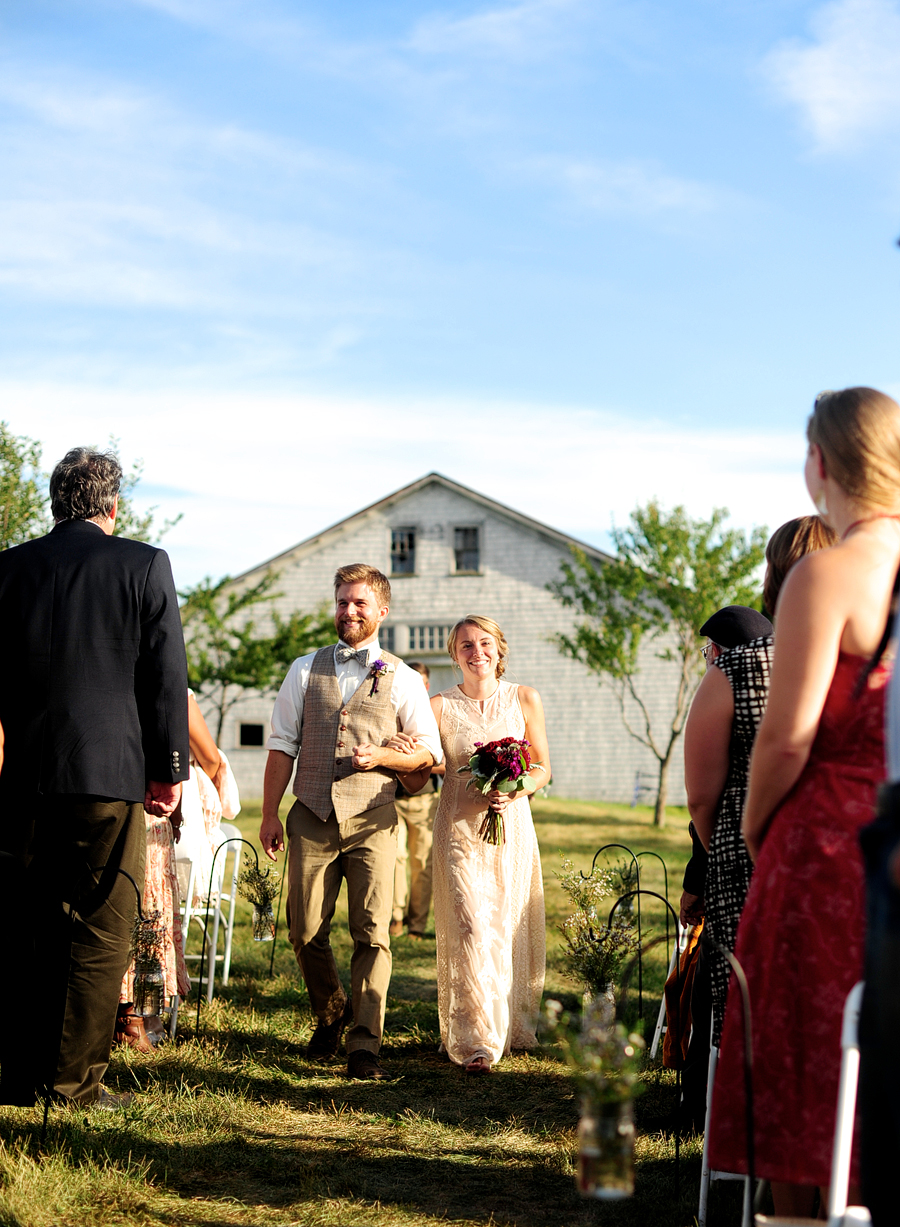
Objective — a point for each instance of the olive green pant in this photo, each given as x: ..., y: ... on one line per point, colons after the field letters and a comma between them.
x: 66, y: 915
x: 320, y: 856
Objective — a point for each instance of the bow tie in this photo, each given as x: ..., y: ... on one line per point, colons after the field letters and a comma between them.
x: 344, y: 654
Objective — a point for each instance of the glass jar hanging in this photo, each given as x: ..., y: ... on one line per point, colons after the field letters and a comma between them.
x: 263, y: 923
x: 147, y: 940
x: 606, y: 1149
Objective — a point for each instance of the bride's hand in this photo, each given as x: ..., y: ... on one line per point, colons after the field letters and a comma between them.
x: 402, y: 743
x: 499, y: 800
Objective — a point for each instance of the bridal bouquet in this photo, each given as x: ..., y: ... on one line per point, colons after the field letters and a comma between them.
x: 502, y: 765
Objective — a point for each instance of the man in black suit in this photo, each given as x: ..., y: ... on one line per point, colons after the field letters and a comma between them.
x: 93, y: 704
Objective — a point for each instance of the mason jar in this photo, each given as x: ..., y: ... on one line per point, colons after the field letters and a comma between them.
x: 606, y: 1150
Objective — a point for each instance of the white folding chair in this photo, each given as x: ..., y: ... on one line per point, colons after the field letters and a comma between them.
x: 206, y: 902
x: 226, y: 899
x: 682, y: 936
x: 706, y: 1172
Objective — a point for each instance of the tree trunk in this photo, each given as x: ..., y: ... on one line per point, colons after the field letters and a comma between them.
x: 221, y: 715
x: 659, y: 813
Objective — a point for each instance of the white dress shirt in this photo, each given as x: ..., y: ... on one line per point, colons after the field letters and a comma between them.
x: 409, y: 699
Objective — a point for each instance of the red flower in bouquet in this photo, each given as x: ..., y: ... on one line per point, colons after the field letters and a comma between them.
x: 503, y: 765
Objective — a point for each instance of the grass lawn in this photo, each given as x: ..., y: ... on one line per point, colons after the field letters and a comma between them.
x: 234, y: 1126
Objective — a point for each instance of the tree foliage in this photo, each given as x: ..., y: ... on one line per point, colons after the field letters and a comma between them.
x: 228, y: 655
x: 25, y: 495
x: 24, y: 509
x: 669, y: 575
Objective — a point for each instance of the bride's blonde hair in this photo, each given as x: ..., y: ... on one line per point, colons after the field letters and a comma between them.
x: 858, y: 431
x: 483, y: 624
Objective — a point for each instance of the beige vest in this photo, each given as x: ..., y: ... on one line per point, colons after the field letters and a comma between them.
x: 330, y: 729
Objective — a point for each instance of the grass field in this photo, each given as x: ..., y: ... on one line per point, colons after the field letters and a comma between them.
x: 233, y: 1126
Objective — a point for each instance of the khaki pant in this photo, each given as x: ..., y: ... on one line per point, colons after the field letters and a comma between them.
x: 413, y: 903
x: 320, y: 856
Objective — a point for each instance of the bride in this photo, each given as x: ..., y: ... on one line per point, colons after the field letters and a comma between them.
x: 488, y: 900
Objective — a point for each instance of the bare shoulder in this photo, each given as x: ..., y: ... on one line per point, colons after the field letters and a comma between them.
x: 823, y: 574
x: 529, y: 699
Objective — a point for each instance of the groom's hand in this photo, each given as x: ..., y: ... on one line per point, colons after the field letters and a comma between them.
x: 366, y: 756
x: 271, y: 836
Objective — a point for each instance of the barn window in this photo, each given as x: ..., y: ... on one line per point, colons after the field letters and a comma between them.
x: 252, y: 734
x: 465, y: 549
x: 428, y: 638
x: 403, y: 551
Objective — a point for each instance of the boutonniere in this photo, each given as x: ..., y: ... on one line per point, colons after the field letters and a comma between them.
x: 379, y: 669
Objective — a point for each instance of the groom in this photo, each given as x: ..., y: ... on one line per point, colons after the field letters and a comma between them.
x: 335, y: 712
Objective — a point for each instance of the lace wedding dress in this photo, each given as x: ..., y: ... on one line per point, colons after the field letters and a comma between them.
x: 488, y: 901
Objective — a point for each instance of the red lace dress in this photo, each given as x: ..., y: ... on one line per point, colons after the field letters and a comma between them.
x: 800, y: 942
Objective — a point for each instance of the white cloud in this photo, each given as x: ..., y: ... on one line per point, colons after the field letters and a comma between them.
x: 517, y: 31
x: 631, y: 186
x: 846, y: 81
x: 262, y: 471
x: 115, y: 197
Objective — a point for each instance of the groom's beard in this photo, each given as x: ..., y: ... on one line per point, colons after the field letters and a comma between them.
x: 353, y: 632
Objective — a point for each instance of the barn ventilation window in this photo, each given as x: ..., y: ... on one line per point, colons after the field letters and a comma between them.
x: 403, y: 551
x: 465, y: 549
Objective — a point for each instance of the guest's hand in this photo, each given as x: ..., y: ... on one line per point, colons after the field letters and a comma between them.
x: 271, y: 836
x: 692, y: 909
x: 402, y: 743
x: 161, y: 800
x: 367, y: 756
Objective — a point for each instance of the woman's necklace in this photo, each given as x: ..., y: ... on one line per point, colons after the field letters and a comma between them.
x: 866, y: 520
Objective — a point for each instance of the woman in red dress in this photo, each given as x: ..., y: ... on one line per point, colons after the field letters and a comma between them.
x: 818, y: 759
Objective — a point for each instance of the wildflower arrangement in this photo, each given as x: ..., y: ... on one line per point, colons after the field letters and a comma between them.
x: 503, y: 765
x: 378, y: 669
x: 258, y: 886
x: 605, y: 1060
x: 594, y: 950
x: 147, y: 937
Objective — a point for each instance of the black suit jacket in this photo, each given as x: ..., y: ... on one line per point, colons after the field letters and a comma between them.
x: 93, y: 676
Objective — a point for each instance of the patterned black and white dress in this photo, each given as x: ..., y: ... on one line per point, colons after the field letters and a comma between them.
x: 747, y: 668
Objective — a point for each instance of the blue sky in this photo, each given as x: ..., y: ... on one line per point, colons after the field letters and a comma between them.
x: 573, y: 253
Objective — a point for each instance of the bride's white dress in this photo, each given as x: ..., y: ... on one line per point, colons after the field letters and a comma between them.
x: 488, y: 901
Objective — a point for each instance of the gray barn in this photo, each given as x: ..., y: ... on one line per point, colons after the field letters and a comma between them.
x: 450, y: 551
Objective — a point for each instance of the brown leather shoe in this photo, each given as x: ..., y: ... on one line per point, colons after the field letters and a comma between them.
x: 326, y: 1039
x: 365, y: 1064
x: 130, y: 1028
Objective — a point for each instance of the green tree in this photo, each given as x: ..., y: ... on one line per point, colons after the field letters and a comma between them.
x: 25, y: 496
x: 228, y: 655
x: 669, y: 575
x: 24, y: 511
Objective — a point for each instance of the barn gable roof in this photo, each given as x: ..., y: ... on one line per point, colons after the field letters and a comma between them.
x: 311, y: 544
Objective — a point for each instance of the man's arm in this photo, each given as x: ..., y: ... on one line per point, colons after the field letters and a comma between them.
x: 278, y: 775
x: 160, y: 685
